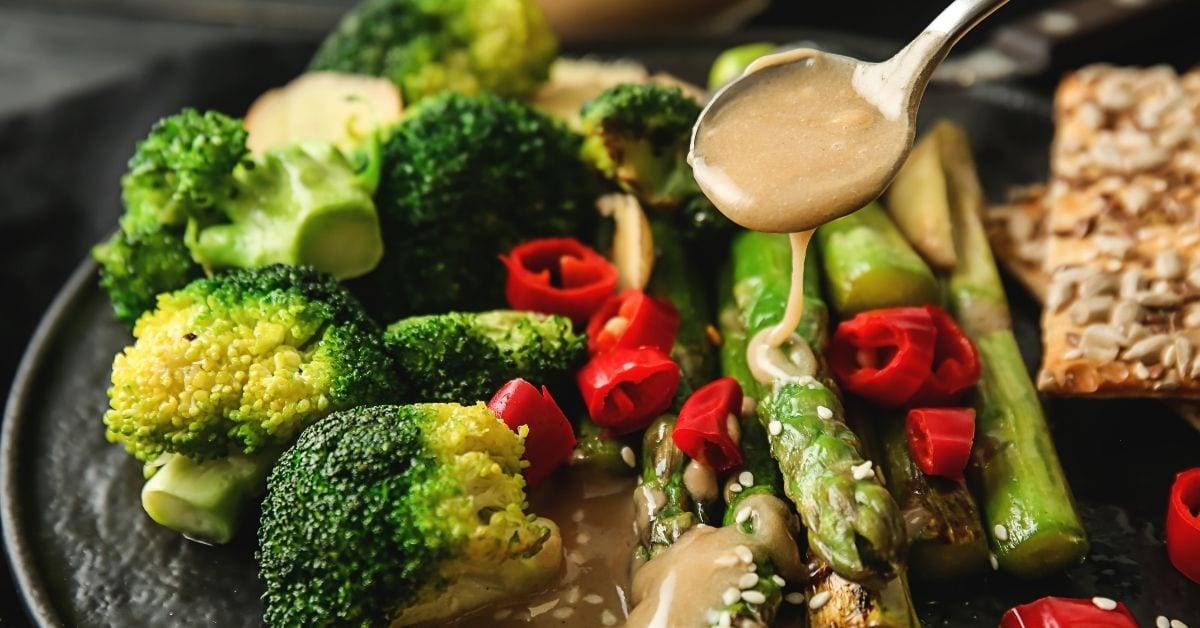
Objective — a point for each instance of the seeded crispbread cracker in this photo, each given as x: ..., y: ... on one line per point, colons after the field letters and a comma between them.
x: 1017, y: 232
x: 1122, y: 315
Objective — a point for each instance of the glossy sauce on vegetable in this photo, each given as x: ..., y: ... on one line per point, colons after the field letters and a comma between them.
x: 777, y: 353
x: 680, y: 585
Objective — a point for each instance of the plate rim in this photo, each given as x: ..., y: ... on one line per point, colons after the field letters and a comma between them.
x: 21, y: 560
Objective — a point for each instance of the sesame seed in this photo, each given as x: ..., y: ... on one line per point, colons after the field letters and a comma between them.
x: 725, y: 621
x: 734, y: 487
x: 818, y: 600
x: 742, y: 515
x: 1104, y: 603
x: 1162, y: 622
x: 592, y: 598
x: 534, y: 611
x: 1001, y: 532
x: 824, y: 413
x: 576, y: 558
x: 794, y: 597
x: 607, y: 618
x: 730, y: 596
x: 995, y: 562
x: 778, y: 580
x: 728, y: 560
x: 805, y: 380
x: 1175, y: 623
x: 627, y: 456
x: 563, y: 612
x: 573, y: 595
x: 753, y: 567
x: 754, y: 597
x: 862, y: 471
x: 583, y: 538
x: 746, y: 478
x: 747, y: 581
x: 774, y: 427
x: 744, y: 553
x: 502, y: 614
x: 577, y: 516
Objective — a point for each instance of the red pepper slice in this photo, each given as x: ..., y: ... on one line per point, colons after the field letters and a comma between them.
x: 940, y: 439
x: 625, y: 389
x: 955, y: 367
x: 633, y: 319
x: 558, y: 276
x: 1183, y: 524
x: 884, y: 355
x: 550, y: 439
x: 1061, y: 612
x: 702, y: 430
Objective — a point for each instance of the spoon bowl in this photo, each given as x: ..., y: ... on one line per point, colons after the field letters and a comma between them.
x: 804, y: 137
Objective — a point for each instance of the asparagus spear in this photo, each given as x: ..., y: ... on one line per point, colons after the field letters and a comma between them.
x: 869, y: 264
x: 942, y: 518
x: 853, y: 524
x: 1027, y: 504
x: 848, y: 603
x: 673, y: 280
x: 662, y: 502
x: 595, y: 448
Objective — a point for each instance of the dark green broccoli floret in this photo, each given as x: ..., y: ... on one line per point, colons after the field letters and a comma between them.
x: 236, y: 365
x: 466, y: 178
x: 134, y: 270
x: 400, y: 514
x: 194, y: 198
x: 466, y: 357
x: 431, y: 46
x: 638, y: 136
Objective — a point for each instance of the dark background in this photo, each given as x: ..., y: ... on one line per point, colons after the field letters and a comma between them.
x: 54, y: 53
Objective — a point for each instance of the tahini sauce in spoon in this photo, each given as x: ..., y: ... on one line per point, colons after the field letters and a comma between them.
x: 817, y: 137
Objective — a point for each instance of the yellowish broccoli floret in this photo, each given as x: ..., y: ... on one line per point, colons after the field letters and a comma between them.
x: 242, y: 361
x: 424, y: 508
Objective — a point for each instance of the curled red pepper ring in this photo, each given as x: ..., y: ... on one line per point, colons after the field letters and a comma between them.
x: 955, y: 367
x: 1061, y: 612
x: 558, y: 276
x: 884, y: 355
x: 940, y: 439
x: 707, y: 422
x: 633, y: 319
x: 625, y: 389
x: 1183, y: 524
x: 550, y: 439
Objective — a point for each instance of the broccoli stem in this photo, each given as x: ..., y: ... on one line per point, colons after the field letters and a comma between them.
x: 204, y: 500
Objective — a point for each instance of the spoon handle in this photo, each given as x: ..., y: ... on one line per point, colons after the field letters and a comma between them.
x: 914, y: 65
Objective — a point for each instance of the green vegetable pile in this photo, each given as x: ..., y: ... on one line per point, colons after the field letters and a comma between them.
x: 320, y: 329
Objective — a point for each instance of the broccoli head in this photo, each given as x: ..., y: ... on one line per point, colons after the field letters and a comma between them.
x: 466, y: 357
x: 638, y: 135
x: 242, y: 361
x: 399, y: 515
x: 136, y: 269
x: 195, y: 199
x: 430, y: 46
x: 466, y: 178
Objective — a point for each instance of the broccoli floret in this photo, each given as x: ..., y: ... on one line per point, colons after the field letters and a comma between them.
x: 638, y: 136
x: 400, y: 514
x: 466, y: 357
x: 466, y: 178
x: 242, y: 360
x: 225, y: 372
x: 195, y: 199
x: 431, y: 46
x: 136, y: 269
x: 181, y: 171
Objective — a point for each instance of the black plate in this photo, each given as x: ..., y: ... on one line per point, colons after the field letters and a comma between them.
x: 84, y: 554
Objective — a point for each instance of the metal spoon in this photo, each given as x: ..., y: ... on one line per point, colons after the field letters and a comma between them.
x: 894, y: 87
